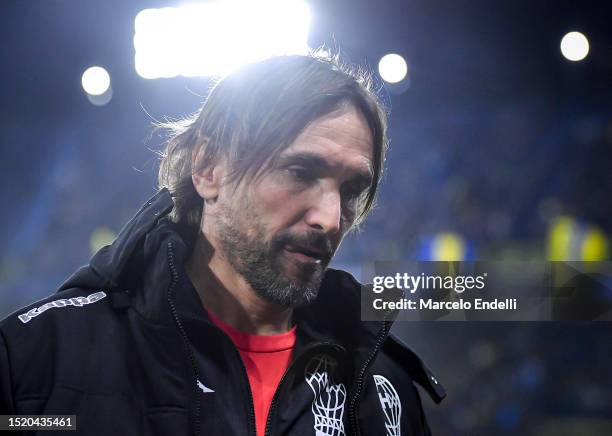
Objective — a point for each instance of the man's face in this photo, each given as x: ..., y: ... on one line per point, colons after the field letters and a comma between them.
x: 281, y: 231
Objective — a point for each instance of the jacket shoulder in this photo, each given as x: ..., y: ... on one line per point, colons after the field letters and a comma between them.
x: 65, y: 306
x: 405, y: 358
x: 401, y: 355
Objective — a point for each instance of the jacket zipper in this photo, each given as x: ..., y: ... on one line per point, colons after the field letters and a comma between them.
x: 173, y: 281
x: 274, y: 401
x: 277, y: 393
x: 360, y: 378
x: 175, y: 278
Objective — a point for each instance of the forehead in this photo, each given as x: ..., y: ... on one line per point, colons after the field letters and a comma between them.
x: 343, y: 138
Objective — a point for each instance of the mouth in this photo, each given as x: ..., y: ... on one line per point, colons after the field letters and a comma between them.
x: 304, y: 254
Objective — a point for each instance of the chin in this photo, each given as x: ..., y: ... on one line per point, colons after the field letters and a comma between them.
x: 292, y: 292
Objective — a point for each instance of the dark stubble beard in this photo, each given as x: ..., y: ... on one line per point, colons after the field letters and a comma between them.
x: 260, y: 262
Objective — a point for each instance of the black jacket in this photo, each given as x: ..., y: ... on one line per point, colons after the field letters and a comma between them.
x: 126, y: 346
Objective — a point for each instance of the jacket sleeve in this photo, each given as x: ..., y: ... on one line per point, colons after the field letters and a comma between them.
x: 7, y: 405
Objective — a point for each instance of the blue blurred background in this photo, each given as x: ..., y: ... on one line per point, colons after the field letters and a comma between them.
x: 501, y: 149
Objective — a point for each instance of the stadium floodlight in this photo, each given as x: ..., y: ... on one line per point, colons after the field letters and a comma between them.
x: 392, y: 68
x: 574, y: 46
x: 95, y: 81
x: 217, y: 37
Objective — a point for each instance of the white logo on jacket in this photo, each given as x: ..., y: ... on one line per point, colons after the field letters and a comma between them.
x: 329, y: 397
x: 63, y: 302
x: 203, y: 388
x: 391, y: 405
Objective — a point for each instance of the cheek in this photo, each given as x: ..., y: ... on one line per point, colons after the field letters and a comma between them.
x: 277, y: 206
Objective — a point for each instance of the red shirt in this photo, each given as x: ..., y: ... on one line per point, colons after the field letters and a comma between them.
x: 266, y: 358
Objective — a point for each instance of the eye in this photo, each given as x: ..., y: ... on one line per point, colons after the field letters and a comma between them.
x: 300, y: 174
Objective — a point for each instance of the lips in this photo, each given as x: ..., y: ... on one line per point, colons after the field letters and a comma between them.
x: 306, y: 253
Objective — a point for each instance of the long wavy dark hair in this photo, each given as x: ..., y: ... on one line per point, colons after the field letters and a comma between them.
x: 253, y: 114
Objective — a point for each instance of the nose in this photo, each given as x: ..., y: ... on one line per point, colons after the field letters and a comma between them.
x: 325, y: 214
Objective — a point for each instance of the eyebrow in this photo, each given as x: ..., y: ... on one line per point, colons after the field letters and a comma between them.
x: 315, y: 161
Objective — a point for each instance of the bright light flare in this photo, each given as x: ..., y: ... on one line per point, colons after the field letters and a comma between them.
x: 95, y: 81
x: 575, y: 46
x: 392, y: 68
x: 217, y: 37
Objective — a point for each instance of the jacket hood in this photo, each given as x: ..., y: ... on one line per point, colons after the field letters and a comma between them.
x: 110, y: 266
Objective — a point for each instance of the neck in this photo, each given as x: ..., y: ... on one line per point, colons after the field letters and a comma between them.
x: 225, y: 293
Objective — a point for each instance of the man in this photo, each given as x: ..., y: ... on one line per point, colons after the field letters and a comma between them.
x: 214, y: 312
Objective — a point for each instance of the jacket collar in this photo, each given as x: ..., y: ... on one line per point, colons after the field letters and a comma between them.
x: 138, y: 260
x: 143, y: 243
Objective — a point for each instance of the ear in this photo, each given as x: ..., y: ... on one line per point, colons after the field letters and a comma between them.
x: 207, y: 181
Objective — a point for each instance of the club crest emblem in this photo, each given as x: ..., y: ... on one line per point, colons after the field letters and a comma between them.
x: 391, y: 405
x: 329, y: 397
